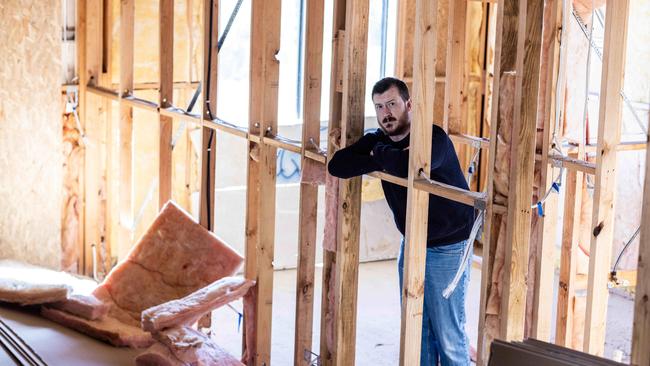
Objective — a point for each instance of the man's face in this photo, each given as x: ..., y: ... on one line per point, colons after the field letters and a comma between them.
x: 393, y: 113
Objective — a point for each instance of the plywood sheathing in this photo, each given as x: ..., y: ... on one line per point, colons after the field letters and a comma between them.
x: 31, y: 156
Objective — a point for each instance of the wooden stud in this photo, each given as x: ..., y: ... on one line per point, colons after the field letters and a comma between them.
x: 504, y: 63
x: 127, y: 24
x: 81, y: 45
x: 352, y: 121
x: 641, y: 327
x: 335, y: 112
x: 547, y: 224
x: 404, y: 46
x: 418, y: 201
x: 260, y: 213
x: 308, y: 193
x: 166, y: 99
x: 570, y: 239
x: 94, y: 114
x: 209, y: 136
x: 513, y: 302
x: 488, y: 81
x: 109, y: 203
x: 454, y: 86
x: 609, y: 133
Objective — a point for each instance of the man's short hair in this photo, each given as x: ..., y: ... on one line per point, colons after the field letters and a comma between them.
x: 386, y: 83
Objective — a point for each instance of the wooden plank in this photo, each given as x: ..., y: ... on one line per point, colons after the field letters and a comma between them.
x: 513, y: 302
x: 209, y: 95
x: 571, y: 163
x: 260, y: 213
x: 235, y: 131
x: 135, y: 102
x: 166, y: 50
x: 308, y: 193
x: 455, y: 74
x: 155, y: 85
x: 103, y: 92
x: 348, y: 228
x: 547, y: 224
x: 570, y: 238
x: 504, y: 62
x: 404, y: 40
x: 327, y: 349
x: 481, y: 142
x: 94, y: 116
x: 81, y: 46
x: 488, y: 81
x: 475, y: 199
x: 424, y: 73
x: 127, y: 24
x: 609, y: 134
x: 279, y: 143
x: 641, y: 327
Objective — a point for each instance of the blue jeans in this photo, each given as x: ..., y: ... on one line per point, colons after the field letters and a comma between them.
x: 443, y: 322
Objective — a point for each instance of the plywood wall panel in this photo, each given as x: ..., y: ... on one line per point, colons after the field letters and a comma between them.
x: 31, y: 152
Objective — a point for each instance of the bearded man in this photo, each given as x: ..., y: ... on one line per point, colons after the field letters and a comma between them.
x: 444, y: 340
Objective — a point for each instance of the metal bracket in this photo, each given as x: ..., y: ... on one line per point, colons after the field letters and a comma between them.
x: 311, y: 357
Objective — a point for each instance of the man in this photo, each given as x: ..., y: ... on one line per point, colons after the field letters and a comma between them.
x: 386, y: 149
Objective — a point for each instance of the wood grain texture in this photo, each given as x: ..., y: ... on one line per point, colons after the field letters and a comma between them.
x: 609, y: 134
x: 260, y: 212
x: 424, y: 88
x: 166, y: 61
x: 513, y: 305
x: 308, y: 205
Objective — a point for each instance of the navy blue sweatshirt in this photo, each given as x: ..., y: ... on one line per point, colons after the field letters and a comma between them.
x: 449, y: 221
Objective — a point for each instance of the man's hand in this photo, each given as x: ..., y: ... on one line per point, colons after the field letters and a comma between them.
x: 335, y: 138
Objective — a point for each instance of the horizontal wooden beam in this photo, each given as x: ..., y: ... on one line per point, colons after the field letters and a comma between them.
x: 277, y: 141
x: 156, y: 85
x: 231, y: 129
x: 440, y: 189
x: 103, y: 92
x: 132, y: 101
x: 571, y: 163
x: 460, y: 138
x: 180, y: 114
x: 623, y: 146
x: 313, y: 155
x: 469, y: 198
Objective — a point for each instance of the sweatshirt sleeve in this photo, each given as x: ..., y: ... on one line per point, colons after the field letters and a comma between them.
x: 392, y: 160
x: 354, y: 160
x: 395, y: 161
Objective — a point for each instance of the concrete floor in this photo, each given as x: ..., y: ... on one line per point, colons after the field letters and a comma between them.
x: 378, y: 324
x: 378, y: 317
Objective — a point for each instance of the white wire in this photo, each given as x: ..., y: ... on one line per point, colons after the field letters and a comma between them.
x: 472, y: 165
x: 470, y: 244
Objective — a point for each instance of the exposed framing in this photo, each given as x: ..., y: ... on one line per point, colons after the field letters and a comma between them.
x: 308, y: 192
x: 609, y: 134
x: 423, y: 92
x: 350, y: 29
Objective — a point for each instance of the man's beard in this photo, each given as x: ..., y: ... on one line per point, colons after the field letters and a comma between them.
x: 401, y: 126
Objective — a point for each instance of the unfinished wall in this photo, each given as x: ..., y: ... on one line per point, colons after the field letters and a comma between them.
x: 30, y: 132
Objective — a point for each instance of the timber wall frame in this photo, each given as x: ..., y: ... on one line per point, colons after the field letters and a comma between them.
x: 517, y: 60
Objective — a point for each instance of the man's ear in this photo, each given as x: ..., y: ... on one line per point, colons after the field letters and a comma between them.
x: 408, y: 105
